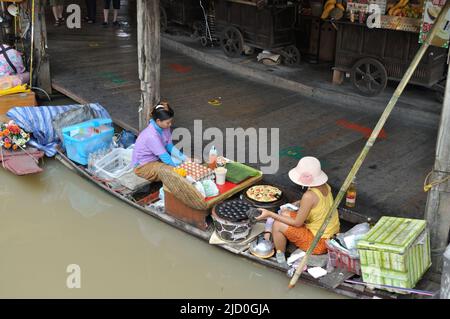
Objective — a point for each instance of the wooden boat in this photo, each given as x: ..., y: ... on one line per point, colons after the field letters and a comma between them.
x: 138, y: 201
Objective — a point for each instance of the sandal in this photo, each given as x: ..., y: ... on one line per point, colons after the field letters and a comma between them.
x: 57, y: 23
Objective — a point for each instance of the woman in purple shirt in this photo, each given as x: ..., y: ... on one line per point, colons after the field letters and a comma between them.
x: 154, y: 149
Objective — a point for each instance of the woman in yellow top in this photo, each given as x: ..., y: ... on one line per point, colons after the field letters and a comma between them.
x: 300, y: 227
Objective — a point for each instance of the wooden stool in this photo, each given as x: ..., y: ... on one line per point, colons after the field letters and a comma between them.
x: 338, y: 77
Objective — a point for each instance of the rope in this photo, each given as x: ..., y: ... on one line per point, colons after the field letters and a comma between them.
x: 42, y: 90
x: 34, y: 159
x: 427, y: 187
x: 107, y: 183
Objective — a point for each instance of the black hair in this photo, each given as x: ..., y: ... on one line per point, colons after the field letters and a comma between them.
x: 162, y: 113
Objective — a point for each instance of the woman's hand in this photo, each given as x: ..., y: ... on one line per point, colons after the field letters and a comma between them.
x: 264, y: 215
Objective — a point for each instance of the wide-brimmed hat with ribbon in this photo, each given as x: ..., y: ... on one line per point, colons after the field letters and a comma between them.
x: 308, y: 172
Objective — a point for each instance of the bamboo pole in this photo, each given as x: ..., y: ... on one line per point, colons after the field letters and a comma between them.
x: 356, y: 166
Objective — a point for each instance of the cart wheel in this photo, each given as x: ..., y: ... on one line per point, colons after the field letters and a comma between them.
x: 203, y: 41
x: 163, y: 19
x: 369, y: 76
x: 291, y: 55
x: 232, y: 42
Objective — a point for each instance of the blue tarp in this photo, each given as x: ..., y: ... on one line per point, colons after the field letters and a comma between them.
x: 38, y: 121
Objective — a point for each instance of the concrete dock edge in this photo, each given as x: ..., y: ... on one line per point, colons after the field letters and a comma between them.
x: 401, y: 111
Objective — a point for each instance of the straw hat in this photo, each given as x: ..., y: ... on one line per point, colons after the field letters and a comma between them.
x: 308, y: 173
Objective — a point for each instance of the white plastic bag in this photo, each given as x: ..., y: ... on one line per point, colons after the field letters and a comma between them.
x: 350, y: 238
x: 200, y: 188
x: 210, y: 188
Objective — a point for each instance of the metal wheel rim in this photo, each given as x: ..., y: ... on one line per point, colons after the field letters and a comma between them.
x: 369, y: 77
x: 203, y: 41
x: 292, y: 55
x: 231, y: 42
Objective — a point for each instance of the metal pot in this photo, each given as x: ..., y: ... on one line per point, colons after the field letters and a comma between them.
x: 261, y: 247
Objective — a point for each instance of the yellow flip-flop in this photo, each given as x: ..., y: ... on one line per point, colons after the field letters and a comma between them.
x: 215, y: 102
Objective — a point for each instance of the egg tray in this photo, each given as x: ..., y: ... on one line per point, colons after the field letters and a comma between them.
x: 197, y: 172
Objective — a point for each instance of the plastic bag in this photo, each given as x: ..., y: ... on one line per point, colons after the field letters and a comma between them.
x: 210, y: 188
x: 127, y: 138
x: 161, y: 193
x: 200, y: 188
x: 350, y: 238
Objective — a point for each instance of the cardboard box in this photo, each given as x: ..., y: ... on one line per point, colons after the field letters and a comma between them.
x: 19, y: 99
x: 396, y: 252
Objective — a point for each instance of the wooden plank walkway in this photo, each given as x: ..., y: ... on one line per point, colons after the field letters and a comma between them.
x: 99, y: 64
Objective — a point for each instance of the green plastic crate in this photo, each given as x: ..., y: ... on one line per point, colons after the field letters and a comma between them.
x: 396, y: 252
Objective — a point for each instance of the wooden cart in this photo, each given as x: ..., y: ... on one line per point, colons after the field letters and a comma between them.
x: 374, y: 56
x: 261, y: 24
x: 183, y: 12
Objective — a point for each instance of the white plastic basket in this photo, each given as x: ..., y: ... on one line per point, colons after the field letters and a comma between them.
x: 114, y: 164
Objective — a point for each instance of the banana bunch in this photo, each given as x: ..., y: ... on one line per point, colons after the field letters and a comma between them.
x: 330, y: 5
x: 397, y: 8
x: 17, y: 89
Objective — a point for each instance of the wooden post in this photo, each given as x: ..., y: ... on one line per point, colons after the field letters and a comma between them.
x: 41, y: 57
x: 149, y: 55
x: 438, y: 202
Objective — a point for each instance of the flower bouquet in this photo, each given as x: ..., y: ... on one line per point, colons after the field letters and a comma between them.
x: 12, y: 136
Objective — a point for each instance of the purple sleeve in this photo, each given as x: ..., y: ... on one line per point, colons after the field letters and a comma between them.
x: 156, y: 145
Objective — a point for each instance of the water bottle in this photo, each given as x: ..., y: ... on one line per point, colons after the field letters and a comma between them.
x: 90, y: 162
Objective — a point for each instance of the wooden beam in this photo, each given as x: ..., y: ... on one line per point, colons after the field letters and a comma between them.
x: 438, y: 201
x: 149, y: 56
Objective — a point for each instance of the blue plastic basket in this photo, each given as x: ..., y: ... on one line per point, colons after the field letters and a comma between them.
x: 78, y: 149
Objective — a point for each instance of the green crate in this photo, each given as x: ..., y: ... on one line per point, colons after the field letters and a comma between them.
x: 396, y: 252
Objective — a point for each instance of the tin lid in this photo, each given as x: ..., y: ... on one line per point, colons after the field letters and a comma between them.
x: 392, y: 234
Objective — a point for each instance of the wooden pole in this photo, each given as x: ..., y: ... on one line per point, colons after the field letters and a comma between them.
x: 149, y: 55
x: 406, y: 77
x: 438, y: 201
x: 42, y: 63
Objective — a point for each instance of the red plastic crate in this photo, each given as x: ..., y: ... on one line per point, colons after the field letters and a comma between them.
x: 342, y: 260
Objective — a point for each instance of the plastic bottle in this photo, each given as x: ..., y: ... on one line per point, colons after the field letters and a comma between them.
x: 350, y: 198
x: 212, y: 159
x: 89, y: 162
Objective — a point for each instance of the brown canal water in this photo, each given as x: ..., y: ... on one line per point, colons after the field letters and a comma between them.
x: 52, y: 220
